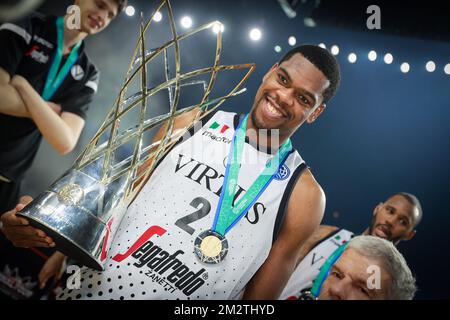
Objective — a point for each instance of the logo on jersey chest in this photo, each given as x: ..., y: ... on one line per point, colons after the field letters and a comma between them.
x: 216, y: 132
x: 43, y: 42
x: 37, y: 54
x: 77, y: 72
x: 338, y: 240
x: 283, y: 173
x: 164, y: 268
x: 218, y: 126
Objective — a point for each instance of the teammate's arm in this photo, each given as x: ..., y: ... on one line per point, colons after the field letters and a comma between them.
x: 62, y: 132
x: 11, y: 102
x: 305, y: 211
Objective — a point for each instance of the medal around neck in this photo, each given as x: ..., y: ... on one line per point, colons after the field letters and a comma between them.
x: 82, y: 210
x: 211, y: 246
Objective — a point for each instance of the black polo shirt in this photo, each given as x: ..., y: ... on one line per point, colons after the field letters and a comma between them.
x: 27, y: 49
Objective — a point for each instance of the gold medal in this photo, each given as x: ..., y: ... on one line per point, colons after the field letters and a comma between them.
x: 211, y: 247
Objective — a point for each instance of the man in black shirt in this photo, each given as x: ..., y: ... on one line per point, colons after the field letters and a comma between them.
x: 36, y: 102
x: 46, y: 84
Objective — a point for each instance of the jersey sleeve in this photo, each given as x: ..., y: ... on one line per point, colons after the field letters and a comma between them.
x: 15, y: 38
x: 79, y: 102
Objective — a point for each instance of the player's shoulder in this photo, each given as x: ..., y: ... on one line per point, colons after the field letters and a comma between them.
x: 307, y: 201
x: 325, y: 231
x: 307, y: 186
x: 306, y: 204
x: 36, y: 21
x: 27, y: 26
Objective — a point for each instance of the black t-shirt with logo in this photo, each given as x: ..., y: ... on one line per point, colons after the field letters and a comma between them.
x: 27, y: 48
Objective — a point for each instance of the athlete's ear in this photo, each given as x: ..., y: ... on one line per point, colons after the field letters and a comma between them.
x: 410, y: 235
x: 313, y: 116
x: 270, y: 71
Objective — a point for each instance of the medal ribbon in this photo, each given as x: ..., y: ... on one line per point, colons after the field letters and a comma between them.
x: 325, y: 269
x: 55, y: 78
x: 228, y: 215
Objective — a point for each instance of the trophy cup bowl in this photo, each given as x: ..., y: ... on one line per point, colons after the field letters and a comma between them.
x: 82, y: 210
x: 76, y: 212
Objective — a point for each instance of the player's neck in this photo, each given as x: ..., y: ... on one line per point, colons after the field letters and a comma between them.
x: 71, y: 37
x: 264, y: 138
x: 366, y: 232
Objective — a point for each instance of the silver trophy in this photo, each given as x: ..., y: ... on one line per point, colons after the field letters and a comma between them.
x: 82, y: 210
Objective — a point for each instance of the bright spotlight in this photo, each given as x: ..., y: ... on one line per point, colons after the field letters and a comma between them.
x: 447, y: 68
x: 388, y: 58
x: 335, y: 50
x: 430, y: 66
x: 372, y: 55
x: 129, y: 10
x: 322, y: 45
x: 277, y: 49
x: 157, y: 17
x: 292, y: 41
x: 352, y: 57
x: 255, y: 34
x: 186, y: 22
x: 404, y: 67
x: 218, y: 27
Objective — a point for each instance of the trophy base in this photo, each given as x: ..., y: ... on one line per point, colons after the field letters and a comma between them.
x: 65, y: 245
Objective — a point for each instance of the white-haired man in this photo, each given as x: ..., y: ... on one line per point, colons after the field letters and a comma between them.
x: 369, y: 268
x: 395, y: 220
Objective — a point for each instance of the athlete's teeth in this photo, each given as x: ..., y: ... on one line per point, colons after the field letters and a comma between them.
x: 273, y: 110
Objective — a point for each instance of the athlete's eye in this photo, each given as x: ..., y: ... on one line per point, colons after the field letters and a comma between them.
x: 336, y: 274
x: 303, y: 100
x: 282, y: 79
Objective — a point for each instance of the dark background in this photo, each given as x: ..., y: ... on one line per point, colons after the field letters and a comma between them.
x: 384, y: 132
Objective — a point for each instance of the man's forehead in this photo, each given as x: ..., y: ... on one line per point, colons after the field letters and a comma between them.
x: 112, y: 5
x: 360, y: 267
x: 298, y: 61
x: 356, y: 264
x: 303, y: 71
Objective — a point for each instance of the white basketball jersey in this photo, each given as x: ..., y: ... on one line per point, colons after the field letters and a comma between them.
x: 152, y: 255
x: 308, y: 269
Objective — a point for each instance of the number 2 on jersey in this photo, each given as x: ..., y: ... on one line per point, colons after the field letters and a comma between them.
x: 184, y: 222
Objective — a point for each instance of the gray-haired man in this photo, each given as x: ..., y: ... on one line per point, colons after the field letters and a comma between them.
x: 395, y: 220
x: 353, y: 275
